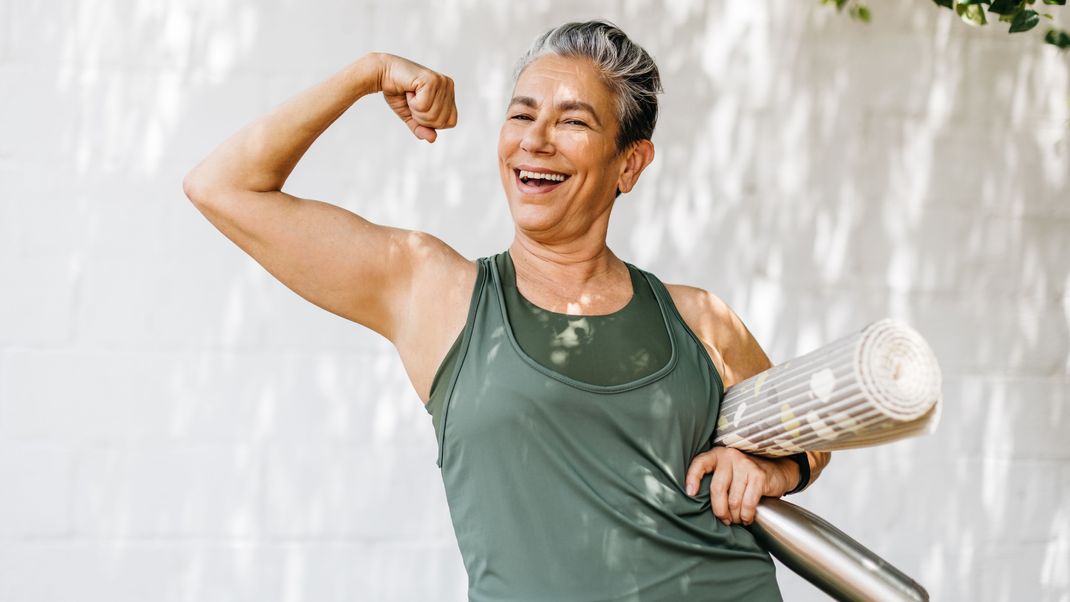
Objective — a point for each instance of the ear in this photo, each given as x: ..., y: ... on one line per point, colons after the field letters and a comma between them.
x: 636, y: 158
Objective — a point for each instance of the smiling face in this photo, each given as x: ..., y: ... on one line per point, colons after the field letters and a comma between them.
x: 557, y: 151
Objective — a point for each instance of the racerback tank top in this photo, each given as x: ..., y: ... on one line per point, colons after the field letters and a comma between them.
x: 563, y: 489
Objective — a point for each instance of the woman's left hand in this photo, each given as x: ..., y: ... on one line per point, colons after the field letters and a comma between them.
x: 739, y: 482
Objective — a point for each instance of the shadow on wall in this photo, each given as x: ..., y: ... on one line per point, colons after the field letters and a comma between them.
x: 816, y: 173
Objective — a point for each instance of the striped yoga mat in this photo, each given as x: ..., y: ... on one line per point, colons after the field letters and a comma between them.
x: 871, y: 387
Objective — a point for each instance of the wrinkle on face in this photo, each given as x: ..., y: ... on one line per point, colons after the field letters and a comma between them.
x: 550, y: 93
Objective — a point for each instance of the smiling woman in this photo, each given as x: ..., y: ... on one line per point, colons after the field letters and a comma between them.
x: 570, y: 391
x: 562, y: 123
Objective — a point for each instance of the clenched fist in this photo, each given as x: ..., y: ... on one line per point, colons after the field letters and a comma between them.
x: 422, y: 98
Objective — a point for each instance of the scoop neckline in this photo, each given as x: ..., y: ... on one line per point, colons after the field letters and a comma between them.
x: 568, y: 380
x: 632, y: 301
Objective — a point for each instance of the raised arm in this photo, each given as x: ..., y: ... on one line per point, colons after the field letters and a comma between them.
x: 330, y: 256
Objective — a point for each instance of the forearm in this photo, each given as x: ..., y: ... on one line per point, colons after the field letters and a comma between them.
x: 261, y: 155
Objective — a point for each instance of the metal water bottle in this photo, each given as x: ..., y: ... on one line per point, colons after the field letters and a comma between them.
x: 827, y: 557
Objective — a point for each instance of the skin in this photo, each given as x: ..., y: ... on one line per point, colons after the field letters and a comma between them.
x: 414, y: 289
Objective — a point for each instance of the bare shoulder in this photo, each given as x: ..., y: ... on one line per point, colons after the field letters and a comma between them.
x: 441, y: 292
x: 735, y: 352
x: 437, y: 263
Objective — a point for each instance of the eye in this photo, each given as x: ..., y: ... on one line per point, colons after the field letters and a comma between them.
x: 575, y: 122
x: 521, y: 116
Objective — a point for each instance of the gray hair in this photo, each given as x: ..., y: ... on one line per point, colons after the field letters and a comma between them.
x: 626, y: 68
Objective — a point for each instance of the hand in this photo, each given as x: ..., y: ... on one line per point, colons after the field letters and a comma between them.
x: 422, y: 98
x: 739, y: 482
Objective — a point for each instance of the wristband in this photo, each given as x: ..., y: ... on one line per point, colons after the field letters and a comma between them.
x: 804, y: 471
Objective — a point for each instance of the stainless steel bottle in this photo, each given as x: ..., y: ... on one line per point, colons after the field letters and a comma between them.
x: 827, y: 557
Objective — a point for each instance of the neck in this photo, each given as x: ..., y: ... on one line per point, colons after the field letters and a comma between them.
x: 582, y: 277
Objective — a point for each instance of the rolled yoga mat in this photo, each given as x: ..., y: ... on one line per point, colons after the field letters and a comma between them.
x: 871, y: 387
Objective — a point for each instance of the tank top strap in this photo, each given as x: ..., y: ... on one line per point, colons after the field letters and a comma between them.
x: 479, y: 292
x: 681, y: 327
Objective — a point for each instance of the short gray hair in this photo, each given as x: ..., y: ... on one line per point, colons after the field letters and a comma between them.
x: 626, y: 69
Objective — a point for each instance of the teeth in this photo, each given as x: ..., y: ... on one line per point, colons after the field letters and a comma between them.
x: 545, y: 176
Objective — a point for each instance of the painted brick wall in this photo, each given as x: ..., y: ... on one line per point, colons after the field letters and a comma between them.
x: 177, y: 425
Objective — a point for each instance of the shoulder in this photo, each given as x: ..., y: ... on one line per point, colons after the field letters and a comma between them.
x: 738, y: 354
x: 435, y: 262
x: 439, y: 296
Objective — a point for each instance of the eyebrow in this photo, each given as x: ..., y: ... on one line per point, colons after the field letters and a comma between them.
x: 564, y: 105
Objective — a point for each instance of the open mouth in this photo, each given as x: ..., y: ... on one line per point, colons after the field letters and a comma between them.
x: 532, y: 182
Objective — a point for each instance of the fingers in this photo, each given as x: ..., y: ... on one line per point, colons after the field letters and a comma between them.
x: 422, y: 98
x: 400, y: 106
x: 432, y: 105
x: 702, y: 464
x: 735, y: 494
x: 453, y: 117
x: 737, y: 485
x: 719, y: 488
x: 751, y: 497
x: 420, y: 126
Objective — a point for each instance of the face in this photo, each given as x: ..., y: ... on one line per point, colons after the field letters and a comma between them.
x: 557, y: 150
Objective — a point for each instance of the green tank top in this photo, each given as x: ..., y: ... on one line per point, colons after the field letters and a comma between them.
x: 605, y: 349
x: 561, y: 486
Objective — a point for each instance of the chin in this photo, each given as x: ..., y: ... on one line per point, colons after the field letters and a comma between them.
x: 533, y: 217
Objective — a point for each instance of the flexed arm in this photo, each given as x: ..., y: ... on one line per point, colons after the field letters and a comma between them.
x: 330, y: 256
x: 260, y: 156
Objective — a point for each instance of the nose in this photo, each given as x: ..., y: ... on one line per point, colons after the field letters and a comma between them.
x: 536, y: 138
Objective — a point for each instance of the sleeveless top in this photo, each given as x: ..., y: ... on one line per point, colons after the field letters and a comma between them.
x: 603, y: 349
x: 560, y: 488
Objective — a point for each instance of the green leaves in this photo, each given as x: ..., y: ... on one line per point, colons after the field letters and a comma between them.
x: 859, y: 12
x: 1005, y: 7
x: 974, y: 14
x: 1024, y: 21
x: 1016, y: 12
x: 1059, y: 39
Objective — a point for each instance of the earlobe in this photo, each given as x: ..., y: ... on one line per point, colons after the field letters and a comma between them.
x: 639, y: 156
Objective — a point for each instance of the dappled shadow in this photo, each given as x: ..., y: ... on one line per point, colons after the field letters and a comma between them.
x: 816, y: 173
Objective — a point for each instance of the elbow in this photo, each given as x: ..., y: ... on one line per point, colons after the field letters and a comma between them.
x: 199, y: 189
x: 193, y: 188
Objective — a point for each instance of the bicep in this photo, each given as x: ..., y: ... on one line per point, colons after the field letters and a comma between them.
x: 328, y: 255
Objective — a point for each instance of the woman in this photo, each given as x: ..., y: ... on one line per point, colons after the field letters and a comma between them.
x: 573, y: 394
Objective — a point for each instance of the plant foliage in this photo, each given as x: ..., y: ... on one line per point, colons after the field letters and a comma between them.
x: 1019, y: 13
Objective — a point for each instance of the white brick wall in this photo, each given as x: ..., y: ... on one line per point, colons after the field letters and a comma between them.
x: 177, y: 425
